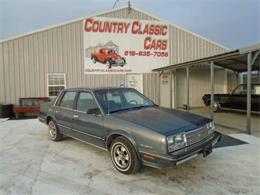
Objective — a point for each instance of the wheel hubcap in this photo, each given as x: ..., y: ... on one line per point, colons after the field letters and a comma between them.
x: 52, y: 129
x: 121, y: 156
x: 215, y: 106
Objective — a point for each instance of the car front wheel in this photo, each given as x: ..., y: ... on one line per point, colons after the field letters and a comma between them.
x: 94, y: 60
x: 108, y: 64
x: 216, y: 107
x: 124, y: 156
x: 54, y: 131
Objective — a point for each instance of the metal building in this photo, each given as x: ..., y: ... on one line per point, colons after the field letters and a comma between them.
x: 38, y: 63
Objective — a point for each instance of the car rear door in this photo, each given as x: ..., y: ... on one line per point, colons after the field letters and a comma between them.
x: 63, y: 111
x: 87, y: 122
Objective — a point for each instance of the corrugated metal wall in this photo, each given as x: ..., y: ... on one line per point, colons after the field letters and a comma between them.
x: 185, y: 46
x: 151, y: 86
x: 25, y: 61
x: 199, y: 85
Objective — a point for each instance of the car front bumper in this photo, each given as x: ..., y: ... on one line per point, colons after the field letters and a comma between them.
x: 160, y: 161
x: 120, y: 62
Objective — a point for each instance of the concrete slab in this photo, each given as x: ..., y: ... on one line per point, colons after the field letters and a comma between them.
x: 32, y: 164
x: 3, y: 120
x: 235, y: 120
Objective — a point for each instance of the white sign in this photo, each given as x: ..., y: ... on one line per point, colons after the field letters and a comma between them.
x: 135, y: 81
x: 120, y: 46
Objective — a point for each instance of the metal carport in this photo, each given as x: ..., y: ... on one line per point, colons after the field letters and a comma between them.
x: 245, y: 59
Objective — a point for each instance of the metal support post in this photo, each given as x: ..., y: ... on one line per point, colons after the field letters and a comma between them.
x: 249, y: 73
x: 212, y: 90
x: 188, y: 88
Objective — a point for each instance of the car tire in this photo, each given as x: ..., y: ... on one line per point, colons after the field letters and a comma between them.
x: 94, y: 60
x: 124, y: 63
x: 54, y: 131
x: 124, y: 156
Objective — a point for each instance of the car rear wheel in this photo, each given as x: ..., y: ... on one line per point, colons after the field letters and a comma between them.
x: 54, y: 131
x: 124, y: 156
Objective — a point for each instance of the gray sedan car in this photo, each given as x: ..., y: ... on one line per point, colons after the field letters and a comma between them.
x: 131, y: 127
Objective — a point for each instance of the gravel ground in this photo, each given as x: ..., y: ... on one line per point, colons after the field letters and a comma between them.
x: 32, y: 164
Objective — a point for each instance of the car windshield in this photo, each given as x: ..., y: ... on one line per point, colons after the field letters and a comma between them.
x: 242, y: 89
x: 120, y: 99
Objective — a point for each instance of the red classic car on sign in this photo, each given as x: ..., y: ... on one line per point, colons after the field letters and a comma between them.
x: 109, y: 57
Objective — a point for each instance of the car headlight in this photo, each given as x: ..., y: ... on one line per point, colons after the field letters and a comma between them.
x: 176, y: 142
x: 210, y: 125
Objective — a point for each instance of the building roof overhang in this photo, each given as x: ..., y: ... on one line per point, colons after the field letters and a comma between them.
x: 235, y: 60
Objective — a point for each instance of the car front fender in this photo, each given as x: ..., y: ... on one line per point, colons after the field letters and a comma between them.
x: 122, y: 133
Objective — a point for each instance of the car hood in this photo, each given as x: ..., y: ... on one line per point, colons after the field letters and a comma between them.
x: 162, y: 120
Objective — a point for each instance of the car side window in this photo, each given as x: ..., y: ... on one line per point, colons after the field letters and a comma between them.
x: 68, y: 99
x: 86, y: 103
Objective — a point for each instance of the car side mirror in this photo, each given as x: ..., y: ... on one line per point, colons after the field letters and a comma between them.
x: 94, y: 111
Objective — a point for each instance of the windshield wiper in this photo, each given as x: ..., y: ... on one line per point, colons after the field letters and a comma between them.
x: 143, y: 106
x: 131, y: 108
x: 119, y: 110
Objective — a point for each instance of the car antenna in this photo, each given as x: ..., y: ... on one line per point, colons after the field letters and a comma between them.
x: 129, y: 7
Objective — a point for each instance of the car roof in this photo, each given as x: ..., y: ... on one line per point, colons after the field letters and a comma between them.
x: 96, y: 88
x: 106, y: 48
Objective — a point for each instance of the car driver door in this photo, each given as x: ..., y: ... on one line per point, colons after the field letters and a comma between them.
x: 87, y: 122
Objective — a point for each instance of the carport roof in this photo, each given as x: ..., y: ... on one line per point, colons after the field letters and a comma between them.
x: 235, y: 60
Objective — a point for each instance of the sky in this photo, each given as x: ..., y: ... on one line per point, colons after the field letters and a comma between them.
x: 232, y: 23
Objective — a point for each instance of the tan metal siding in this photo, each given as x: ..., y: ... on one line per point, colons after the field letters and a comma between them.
x: 6, y: 72
x: 151, y: 86
x: 41, y: 87
x: 186, y: 46
x: 199, y: 85
x: 2, y: 80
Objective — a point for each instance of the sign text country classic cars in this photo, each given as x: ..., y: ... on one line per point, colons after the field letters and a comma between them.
x: 120, y: 46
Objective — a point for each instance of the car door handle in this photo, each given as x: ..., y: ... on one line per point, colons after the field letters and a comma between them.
x: 75, y: 116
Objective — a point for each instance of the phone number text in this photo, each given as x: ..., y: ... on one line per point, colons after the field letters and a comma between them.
x: 146, y: 53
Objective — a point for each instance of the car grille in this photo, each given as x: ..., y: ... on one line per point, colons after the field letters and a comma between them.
x: 197, y: 135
